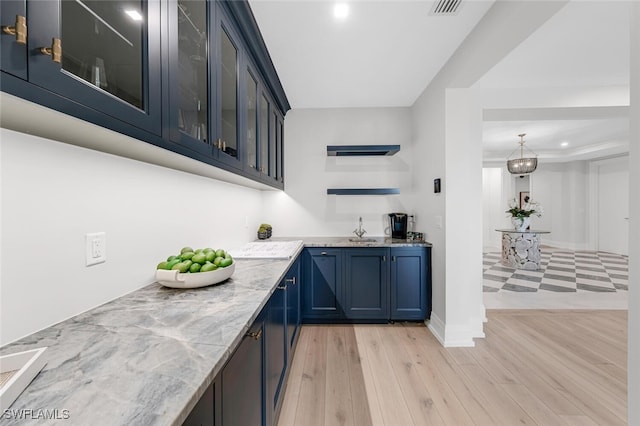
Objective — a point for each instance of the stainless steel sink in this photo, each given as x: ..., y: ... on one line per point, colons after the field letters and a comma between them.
x: 362, y: 240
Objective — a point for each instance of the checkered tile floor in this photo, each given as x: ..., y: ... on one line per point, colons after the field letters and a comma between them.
x: 561, y: 271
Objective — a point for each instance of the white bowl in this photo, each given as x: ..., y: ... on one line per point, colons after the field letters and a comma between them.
x: 175, y: 279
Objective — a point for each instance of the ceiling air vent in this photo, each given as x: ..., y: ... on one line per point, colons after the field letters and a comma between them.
x: 445, y: 7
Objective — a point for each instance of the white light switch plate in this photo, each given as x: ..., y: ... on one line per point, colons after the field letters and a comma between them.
x: 95, y: 248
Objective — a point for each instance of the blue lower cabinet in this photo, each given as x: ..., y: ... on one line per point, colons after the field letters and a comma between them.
x: 373, y: 284
x: 366, y: 289
x: 322, y: 283
x: 294, y: 313
x: 408, y: 284
x: 275, y: 351
x: 251, y: 383
x: 207, y: 411
x: 242, y: 380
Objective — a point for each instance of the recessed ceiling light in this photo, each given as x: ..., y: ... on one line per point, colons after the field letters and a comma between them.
x: 341, y: 10
x: 134, y: 14
x: 564, y: 144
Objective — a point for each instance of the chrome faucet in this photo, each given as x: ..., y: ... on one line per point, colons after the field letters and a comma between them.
x: 359, y: 232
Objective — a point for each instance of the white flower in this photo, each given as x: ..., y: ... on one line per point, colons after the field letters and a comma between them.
x: 530, y: 208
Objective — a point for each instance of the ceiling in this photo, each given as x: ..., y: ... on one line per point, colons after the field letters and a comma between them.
x: 385, y: 53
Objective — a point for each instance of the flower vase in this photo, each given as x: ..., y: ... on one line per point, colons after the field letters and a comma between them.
x: 521, y: 223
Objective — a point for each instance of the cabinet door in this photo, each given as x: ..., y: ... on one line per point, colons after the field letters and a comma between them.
x: 251, y: 121
x: 101, y: 54
x: 366, y: 289
x: 408, y: 283
x: 264, y: 135
x: 204, y: 413
x: 279, y: 148
x: 13, y: 42
x: 241, y: 381
x: 227, y: 90
x: 189, y: 73
x: 275, y: 350
x: 294, y: 317
x: 322, y: 283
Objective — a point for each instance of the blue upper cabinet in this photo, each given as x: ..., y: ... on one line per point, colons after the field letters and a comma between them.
x: 13, y: 41
x: 259, y: 130
x: 102, y: 55
x: 229, y: 52
x: 190, y: 76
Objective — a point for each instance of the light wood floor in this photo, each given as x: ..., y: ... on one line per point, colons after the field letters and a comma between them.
x: 534, y: 367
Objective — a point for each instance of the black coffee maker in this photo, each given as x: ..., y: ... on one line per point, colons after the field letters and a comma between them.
x: 398, y: 225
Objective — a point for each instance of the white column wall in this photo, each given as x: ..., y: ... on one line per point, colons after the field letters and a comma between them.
x: 463, y: 173
x: 447, y: 124
x: 634, y: 224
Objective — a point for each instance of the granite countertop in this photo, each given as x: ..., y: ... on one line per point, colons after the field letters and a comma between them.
x: 346, y: 242
x: 146, y: 357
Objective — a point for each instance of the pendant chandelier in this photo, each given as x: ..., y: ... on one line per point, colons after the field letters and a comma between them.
x: 522, y: 165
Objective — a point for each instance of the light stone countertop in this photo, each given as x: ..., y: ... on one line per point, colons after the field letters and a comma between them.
x: 346, y: 242
x: 147, y: 357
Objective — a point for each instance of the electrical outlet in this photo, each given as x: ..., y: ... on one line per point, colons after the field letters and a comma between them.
x: 95, y: 248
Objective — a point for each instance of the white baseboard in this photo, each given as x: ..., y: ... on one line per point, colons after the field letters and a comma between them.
x: 566, y: 245
x: 436, y: 326
x: 454, y: 336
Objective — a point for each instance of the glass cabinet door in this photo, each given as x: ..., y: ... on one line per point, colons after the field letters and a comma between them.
x: 279, y: 149
x: 227, y: 93
x: 102, y: 54
x: 13, y: 38
x: 273, y: 135
x: 252, y: 121
x: 264, y: 135
x: 189, y: 88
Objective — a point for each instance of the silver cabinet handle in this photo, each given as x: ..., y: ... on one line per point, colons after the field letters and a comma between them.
x: 324, y: 253
x: 291, y: 280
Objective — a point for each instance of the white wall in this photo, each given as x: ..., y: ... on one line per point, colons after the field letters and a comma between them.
x: 562, y: 190
x: 305, y: 209
x: 609, y: 209
x: 53, y: 193
x: 522, y: 184
x: 634, y: 224
x: 493, y: 207
x: 428, y: 128
x: 568, y: 194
